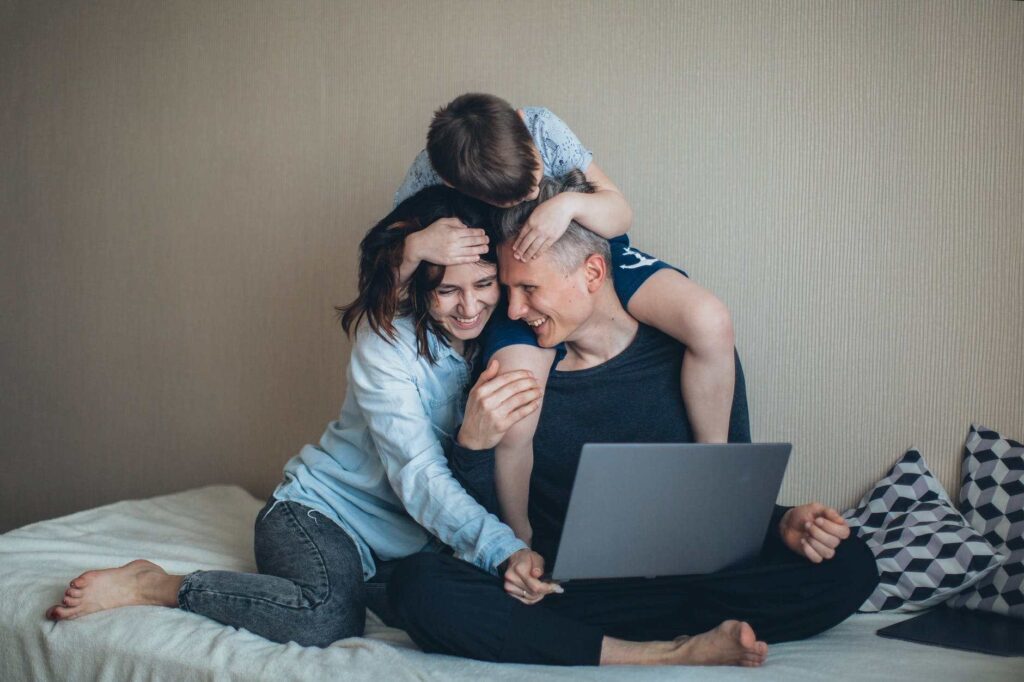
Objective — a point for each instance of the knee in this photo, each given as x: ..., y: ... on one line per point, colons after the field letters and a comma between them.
x: 341, y: 616
x: 417, y: 589
x: 856, y: 571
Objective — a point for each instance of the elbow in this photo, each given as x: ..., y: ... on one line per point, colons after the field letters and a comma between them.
x: 716, y: 335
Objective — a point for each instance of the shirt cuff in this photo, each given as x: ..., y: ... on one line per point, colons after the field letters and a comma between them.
x: 467, y: 459
x: 497, y: 555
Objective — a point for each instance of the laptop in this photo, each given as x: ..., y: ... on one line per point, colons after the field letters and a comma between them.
x: 668, y: 509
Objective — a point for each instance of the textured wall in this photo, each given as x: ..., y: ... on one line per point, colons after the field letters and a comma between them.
x: 182, y: 187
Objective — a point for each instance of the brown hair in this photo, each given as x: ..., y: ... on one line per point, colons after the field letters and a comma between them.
x: 480, y: 145
x: 380, y: 297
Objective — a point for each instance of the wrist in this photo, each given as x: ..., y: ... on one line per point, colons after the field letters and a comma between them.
x: 784, y: 521
x: 466, y: 441
x: 571, y: 202
x: 503, y: 566
x: 410, y: 250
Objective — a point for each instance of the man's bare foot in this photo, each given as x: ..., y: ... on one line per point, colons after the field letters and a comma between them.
x: 137, y: 583
x: 731, y: 643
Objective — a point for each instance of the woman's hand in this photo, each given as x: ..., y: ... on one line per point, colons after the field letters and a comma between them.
x: 446, y: 241
x: 495, y: 403
x: 522, y: 577
x: 813, y: 531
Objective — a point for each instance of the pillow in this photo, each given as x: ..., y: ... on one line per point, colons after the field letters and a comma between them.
x: 992, y: 501
x: 926, y: 551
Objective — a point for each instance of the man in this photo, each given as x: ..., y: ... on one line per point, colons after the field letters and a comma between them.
x: 615, y: 380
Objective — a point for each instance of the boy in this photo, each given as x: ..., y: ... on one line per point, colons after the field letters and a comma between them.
x: 480, y: 145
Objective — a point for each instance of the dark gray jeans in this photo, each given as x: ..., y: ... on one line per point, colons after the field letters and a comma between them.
x: 309, y: 588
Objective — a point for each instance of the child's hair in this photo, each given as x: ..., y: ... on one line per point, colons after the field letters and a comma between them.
x: 480, y: 145
x: 380, y: 297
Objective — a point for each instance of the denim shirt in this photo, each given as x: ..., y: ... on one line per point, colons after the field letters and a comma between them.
x: 380, y: 470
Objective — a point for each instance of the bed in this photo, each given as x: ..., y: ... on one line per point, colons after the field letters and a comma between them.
x: 211, y: 527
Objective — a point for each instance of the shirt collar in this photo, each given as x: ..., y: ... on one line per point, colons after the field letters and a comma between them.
x: 438, y: 347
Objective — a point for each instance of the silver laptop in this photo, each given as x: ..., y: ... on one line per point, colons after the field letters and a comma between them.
x: 653, y: 509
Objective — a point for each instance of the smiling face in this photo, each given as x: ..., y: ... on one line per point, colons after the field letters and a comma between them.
x: 465, y: 299
x: 553, y: 302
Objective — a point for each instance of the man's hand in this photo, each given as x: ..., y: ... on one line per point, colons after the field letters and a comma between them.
x: 813, y: 531
x: 495, y: 403
x: 544, y: 227
x: 522, y: 577
x: 446, y: 241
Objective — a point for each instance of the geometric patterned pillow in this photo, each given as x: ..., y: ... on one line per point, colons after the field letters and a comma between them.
x: 925, y: 550
x: 992, y: 501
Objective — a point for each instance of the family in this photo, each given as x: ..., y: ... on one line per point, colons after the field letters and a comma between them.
x: 438, y: 495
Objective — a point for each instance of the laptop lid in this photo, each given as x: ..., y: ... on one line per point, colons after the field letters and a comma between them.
x: 661, y: 509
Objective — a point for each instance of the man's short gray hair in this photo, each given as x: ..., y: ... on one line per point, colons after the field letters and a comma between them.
x: 573, y: 247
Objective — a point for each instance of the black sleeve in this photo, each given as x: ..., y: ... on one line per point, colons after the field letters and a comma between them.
x: 773, y: 528
x: 474, y: 469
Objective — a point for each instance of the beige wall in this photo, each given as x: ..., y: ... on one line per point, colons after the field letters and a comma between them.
x: 183, y: 184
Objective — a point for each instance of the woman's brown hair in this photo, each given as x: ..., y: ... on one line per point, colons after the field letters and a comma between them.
x: 381, y: 296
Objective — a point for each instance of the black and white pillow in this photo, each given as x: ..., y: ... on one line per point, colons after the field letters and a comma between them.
x: 992, y: 501
x: 926, y: 551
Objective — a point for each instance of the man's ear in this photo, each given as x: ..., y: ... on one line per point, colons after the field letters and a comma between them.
x: 595, y: 268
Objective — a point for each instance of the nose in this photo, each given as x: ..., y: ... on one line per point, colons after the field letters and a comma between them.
x: 470, y: 305
x: 517, y: 307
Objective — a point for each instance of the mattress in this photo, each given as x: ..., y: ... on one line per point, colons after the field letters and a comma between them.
x: 211, y: 528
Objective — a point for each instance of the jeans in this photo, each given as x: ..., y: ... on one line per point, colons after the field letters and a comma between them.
x: 309, y: 588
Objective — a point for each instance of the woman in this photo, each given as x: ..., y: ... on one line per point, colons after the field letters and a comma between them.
x: 377, y: 487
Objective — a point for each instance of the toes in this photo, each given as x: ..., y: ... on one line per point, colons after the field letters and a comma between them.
x: 747, y: 638
x: 71, y: 601
x: 74, y: 592
x: 61, y: 613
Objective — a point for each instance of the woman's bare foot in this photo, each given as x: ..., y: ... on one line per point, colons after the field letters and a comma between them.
x: 137, y: 583
x: 731, y: 643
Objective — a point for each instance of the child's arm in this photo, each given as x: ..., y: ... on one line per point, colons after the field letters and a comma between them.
x: 446, y: 241
x: 605, y: 212
x: 703, y: 324
x: 513, y: 461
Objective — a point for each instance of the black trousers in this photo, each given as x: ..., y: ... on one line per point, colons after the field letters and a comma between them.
x: 451, y: 607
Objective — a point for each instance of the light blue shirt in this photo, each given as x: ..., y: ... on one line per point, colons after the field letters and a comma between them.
x: 560, y: 152
x: 380, y: 470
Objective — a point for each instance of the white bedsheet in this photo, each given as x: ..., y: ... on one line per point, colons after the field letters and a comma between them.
x: 212, y: 528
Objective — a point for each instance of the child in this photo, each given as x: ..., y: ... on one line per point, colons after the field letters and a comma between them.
x: 481, y: 146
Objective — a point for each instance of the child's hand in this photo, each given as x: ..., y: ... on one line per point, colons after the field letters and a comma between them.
x: 546, y: 224
x: 446, y: 242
